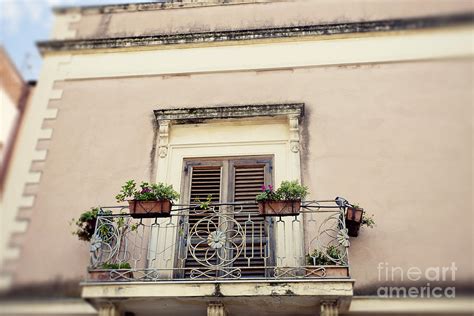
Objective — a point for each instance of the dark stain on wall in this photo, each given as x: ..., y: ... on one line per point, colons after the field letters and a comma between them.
x: 304, y: 142
x: 152, y: 169
x: 103, y: 25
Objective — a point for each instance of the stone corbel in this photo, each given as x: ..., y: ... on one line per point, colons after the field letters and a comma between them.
x: 293, y: 121
x: 216, y: 309
x: 329, y: 308
x: 108, y: 310
x: 163, y: 138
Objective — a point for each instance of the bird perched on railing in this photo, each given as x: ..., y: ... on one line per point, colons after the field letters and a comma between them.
x: 341, y: 202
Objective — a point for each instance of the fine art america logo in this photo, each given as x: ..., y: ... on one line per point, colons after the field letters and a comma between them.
x: 430, y: 279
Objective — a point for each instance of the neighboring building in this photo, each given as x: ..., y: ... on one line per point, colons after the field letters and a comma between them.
x: 368, y: 100
x: 14, y: 98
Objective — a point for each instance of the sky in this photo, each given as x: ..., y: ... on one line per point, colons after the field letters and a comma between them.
x: 23, y: 22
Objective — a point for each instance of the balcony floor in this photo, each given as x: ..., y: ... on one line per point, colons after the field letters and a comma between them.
x: 240, y: 297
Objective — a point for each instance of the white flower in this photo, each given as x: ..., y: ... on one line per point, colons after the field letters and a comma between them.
x: 343, y: 238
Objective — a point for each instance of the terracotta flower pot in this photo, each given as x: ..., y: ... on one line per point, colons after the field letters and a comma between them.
x: 148, y: 209
x: 353, y: 220
x: 279, y: 208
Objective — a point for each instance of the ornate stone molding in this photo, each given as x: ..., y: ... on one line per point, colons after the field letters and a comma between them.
x: 163, y: 138
x: 195, y: 115
x: 167, y: 117
x: 294, y: 133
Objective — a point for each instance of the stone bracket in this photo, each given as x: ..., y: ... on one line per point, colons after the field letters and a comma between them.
x: 163, y: 138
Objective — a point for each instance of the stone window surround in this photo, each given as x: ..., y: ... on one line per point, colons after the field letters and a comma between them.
x: 194, y: 115
x: 286, y: 153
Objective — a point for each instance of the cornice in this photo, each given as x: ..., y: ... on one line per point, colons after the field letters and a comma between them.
x: 257, y: 34
x: 198, y: 115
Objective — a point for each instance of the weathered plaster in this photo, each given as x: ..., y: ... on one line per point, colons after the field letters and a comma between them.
x: 152, y: 18
x: 193, y: 115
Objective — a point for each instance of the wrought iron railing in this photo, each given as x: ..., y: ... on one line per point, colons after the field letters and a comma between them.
x: 224, y: 241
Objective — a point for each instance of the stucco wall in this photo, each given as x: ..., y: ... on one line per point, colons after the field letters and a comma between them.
x: 97, y: 23
x: 393, y: 137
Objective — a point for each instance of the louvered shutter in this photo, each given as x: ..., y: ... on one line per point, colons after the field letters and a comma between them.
x: 231, y: 180
x: 205, y: 181
x: 247, y: 183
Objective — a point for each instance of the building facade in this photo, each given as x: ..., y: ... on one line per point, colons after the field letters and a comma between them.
x: 370, y: 101
x: 14, y: 99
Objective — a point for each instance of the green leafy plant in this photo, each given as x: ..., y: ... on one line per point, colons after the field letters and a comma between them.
x: 288, y: 190
x: 121, y: 223
x: 323, y: 258
x: 146, y: 192
x: 368, y: 220
x: 115, y: 266
x: 204, y: 205
x: 85, y: 225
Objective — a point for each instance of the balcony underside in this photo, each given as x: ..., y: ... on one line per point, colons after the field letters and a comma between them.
x: 240, y: 297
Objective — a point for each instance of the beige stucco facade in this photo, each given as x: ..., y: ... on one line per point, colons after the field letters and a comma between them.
x: 387, y: 124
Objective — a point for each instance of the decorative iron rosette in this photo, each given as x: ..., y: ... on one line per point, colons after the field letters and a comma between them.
x: 216, y: 240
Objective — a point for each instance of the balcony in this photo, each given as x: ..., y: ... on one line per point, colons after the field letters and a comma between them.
x: 222, y: 252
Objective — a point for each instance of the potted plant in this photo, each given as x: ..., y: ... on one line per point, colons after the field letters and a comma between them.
x: 86, y: 223
x: 112, y: 272
x: 355, y: 218
x: 285, y: 201
x: 149, y: 199
x: 326, y: 263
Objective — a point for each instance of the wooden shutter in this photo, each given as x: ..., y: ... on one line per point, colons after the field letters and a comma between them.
x: 232, y: 180
x: 248, y: 180
x: 205, y: 180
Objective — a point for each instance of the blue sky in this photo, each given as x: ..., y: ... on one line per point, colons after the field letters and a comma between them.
x: 23, y: 22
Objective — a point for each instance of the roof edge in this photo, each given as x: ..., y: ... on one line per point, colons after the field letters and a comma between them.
x: 147, y: 6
